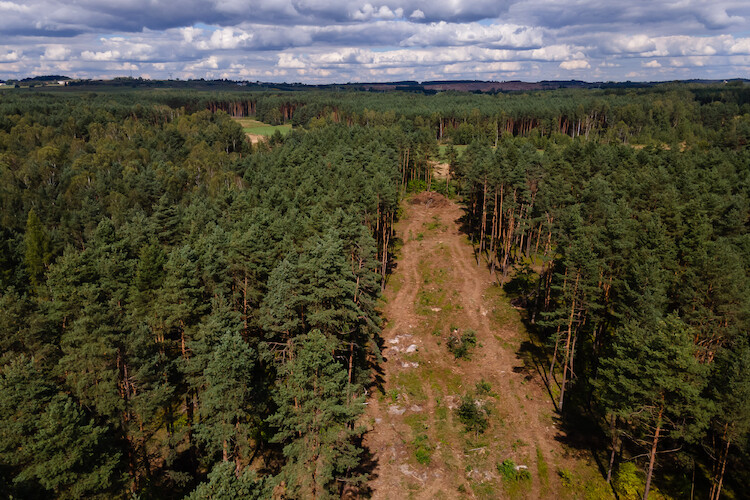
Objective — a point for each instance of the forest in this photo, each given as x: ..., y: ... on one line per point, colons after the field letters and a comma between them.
x: 184, y: 314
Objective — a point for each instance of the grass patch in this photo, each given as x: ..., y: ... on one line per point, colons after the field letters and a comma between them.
x: 542, y: 469
x: 422, y: 449
x: 411, y: 386
x: 250, y: 126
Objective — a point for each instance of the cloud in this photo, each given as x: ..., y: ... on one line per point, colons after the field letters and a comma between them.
x: 56, y: 52
x: 575, y: 64
x: 496, y: 35
x: 356, y: 40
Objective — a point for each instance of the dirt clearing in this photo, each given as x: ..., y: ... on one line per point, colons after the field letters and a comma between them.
x: 420, y: 445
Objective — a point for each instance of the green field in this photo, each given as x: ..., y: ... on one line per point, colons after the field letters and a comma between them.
x: 250, y: 126
x: 458, y: 147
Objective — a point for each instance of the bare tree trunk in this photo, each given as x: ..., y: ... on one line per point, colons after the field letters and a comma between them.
x: 568, y: 343
x: 484, y: 217
x: 613, y: 430
x: 652, y: 460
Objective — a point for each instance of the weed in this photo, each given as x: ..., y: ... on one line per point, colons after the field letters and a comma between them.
x: 422, y: 449
x: 566, y: 477
x: 483, y: 388
x: 510, y: 472
x: 518, y: 443
x: 461, y: 346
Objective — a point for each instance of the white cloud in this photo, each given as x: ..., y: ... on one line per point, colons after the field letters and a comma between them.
x: 348, y: 40
x: 575, y: 64
x: 56, y: 53
x: 11, y: 56
x: 14, y: 7
x: 496, y: 35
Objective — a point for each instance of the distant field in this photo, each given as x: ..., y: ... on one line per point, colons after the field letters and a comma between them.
x: 458, y: 147
x: 254, y: 127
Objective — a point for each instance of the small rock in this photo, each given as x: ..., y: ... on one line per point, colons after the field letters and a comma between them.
x: 396, y: 410
x: 435, y: 309
x: 415, y: 408
x: 409, y: 364
x: 394, y: 341
x: 412, y: 348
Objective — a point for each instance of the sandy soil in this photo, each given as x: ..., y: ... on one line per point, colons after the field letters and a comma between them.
x: 438, y: 286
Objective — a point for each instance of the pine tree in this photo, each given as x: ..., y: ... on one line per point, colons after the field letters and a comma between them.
x: 37, y: 255
x: 316, y: 421
x: 227, y: 413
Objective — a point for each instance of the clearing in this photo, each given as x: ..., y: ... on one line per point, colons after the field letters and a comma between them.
x: 258, y: 131
x: 418, y: 444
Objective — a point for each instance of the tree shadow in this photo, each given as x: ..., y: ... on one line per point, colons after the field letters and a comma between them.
x: 367, y: 465
x: 580, y: 431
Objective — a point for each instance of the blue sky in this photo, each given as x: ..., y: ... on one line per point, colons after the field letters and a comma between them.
x: 322, y: 41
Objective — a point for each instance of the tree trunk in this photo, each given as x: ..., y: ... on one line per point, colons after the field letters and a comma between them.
x: 721, y: 467
x: 568, y: 343
x: 613, y: 430
x: 652, y: 460
x: 484, y: 218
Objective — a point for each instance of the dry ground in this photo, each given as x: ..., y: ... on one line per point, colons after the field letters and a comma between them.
x: 436, y: 287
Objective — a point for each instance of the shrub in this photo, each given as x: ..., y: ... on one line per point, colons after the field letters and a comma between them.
x: 461, y: 346
x: 475, y: 415
x: 483, y: 387
x: 627, y: 481
x: 510, y: 471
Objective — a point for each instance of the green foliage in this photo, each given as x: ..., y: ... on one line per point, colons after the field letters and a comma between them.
x: 627, y: 481
x: 315, y: 419
x: 225, y: 483
x: 422, y: 449
x: 462, y: 345
x: 484, y: 388
x: 566, y: 477
x: 37, y: 256
x: 510, y: 472
x: 416, y: 186
x: 474, y: 414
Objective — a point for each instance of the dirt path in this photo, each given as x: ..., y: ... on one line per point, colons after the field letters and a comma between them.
x: 420, y: 446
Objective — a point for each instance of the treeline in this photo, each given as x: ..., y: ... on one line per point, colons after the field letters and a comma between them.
x: 702, y: 114
x: 633, y: 265
x: 181, y: 311
x: 668, y: 113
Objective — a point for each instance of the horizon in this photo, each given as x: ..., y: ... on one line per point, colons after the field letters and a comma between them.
x: 320, y: 42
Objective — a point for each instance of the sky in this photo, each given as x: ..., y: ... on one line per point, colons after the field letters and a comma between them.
x: 325, y: 41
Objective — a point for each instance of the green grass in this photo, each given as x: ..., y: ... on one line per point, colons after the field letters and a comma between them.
x: 458, y: 147
x: 250, y: 126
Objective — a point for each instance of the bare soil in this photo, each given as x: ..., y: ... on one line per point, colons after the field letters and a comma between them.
x: 419, y: 446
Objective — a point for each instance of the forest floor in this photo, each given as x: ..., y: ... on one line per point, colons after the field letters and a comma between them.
x: 419, y: 447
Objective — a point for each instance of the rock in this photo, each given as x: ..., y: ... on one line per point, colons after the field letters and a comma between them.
x: 396, y: 410
x: 435, y: 309
x: 412, y: 348
x: 415, y: 408
x: 409, y: 364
